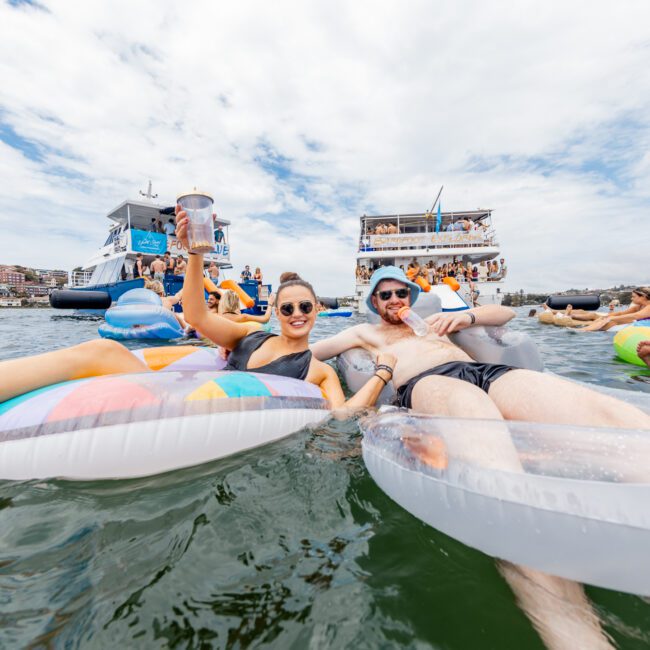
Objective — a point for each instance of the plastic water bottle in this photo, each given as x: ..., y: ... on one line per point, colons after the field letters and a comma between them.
x: 417, y: 324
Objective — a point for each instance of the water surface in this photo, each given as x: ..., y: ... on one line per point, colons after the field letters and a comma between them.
x: 287, y: 546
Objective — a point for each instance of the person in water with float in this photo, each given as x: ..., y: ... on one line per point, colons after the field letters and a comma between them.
x: 433, y: 376
x: 287, y: 353
x: 638, y: 310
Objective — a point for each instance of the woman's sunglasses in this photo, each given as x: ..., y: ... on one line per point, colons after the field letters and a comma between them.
x: 305, y: 306
x: 400, y: 293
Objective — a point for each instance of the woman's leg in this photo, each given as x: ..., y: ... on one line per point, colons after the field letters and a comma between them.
x: 98, y: 357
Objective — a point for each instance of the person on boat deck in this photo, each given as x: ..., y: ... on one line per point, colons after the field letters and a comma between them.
x: 170, y: 228
x: 638, y: 310
x: 219, y: 235
x: 246, y: 274
x: 138, y: 268
x: 158, y: 268
x: 181, y: 266
x: 169, y: 262
x: 213, y: 271
x: 153, y: 226
x: 257, y: 276
x: 287, y: 353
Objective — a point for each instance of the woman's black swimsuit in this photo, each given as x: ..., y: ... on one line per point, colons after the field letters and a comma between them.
x: 294, y: 365
x: 477, y: 374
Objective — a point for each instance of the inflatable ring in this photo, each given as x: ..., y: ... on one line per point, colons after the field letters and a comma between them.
x: 139, y: 314
x: 626, y: 341
x: 124, y: 426
x: 562, y: 504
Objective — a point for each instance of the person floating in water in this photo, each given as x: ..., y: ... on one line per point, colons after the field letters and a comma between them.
x: 638, y: 310
x: 433, y: 376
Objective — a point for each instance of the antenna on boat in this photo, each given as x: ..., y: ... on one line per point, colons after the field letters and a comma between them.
x: 436, y: 201
x: 149, y: 195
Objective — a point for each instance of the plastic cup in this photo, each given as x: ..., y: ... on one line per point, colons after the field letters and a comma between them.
x: 200, y: 231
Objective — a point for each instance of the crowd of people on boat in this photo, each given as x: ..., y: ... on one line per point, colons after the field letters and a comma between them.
x: 159, y: 267
x: 466, y: 225
x: 433, y: 273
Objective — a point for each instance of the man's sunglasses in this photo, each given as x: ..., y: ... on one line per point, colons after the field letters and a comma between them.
x: 305, y: 306
x: 386, y: 295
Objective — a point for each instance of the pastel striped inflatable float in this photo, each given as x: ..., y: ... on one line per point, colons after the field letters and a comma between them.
x: 123, y: 426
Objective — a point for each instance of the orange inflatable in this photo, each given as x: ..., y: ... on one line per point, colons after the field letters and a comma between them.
x: 411, y: 273
x: 247, y: 301
x: 452, y: 283
x: 423, y: 284
x: 209, y: 286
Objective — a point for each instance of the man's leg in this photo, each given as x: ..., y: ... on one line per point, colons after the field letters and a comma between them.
x: 558, y: 608
x: 448, y: 397
x: 98, y: 357
x: 540, y: 397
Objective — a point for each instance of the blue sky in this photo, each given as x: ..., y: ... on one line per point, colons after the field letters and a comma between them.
x: 301, y: 118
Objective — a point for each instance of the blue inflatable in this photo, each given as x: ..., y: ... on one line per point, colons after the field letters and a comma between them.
x: 139, y: 314
x: 335, y: 314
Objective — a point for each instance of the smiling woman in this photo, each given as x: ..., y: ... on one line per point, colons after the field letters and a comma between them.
x: 286, y: 354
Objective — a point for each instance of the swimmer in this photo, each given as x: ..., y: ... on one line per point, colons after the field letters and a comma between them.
x: 638, y: 310
x: 168, y: 302
x: 229, y: 308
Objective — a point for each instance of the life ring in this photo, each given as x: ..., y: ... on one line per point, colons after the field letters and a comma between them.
x: 124, y: 426
x: 246, y: 300
x: 139, y: 314
x: 626, y: 341
x: 568, y: 512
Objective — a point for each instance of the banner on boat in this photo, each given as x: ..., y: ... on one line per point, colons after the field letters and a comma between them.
x: 149, y: 243
x: 221, y: 250
x: 426, y: 240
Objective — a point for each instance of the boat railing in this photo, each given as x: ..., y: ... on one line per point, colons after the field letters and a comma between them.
x: 79, y: 279
x: 428, y: 240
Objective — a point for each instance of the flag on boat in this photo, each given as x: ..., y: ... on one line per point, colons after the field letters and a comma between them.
x: 438, y: 219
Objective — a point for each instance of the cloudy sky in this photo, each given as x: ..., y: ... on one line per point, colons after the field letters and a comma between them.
x: 299, y: 117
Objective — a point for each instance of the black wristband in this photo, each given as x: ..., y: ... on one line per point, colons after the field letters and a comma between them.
x: 383, y: 366
x: 380, y: 377
x: 472, y: 317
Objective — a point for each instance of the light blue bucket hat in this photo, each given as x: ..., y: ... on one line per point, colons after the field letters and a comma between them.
x: 390, y: 273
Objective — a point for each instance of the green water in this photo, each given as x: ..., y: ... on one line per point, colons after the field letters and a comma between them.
x: 288, y: 546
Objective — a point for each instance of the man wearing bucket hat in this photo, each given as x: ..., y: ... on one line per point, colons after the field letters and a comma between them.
x: 434, y: 376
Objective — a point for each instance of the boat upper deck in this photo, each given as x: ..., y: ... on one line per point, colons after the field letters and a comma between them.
x: 382, y: 235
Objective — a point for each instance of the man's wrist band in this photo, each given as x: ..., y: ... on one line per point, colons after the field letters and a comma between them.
x: 472, y: 317
x: 382, y: 366
x: 380, y: 377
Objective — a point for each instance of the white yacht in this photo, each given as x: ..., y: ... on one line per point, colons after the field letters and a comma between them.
x: 440, y: 238
x: 111, y: 268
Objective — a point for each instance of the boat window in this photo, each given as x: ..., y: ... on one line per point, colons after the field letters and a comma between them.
x: 108, y: 271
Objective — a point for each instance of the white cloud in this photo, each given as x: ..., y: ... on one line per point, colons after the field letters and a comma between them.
x: 376, y: 104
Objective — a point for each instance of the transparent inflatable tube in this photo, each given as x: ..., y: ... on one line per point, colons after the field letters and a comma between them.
x: 578, y: 508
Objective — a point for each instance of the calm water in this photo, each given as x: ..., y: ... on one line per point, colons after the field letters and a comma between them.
x: 287, y: 546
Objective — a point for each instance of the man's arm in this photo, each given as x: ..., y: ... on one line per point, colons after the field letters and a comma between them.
x: 333, y: 346
x: 447, y: 322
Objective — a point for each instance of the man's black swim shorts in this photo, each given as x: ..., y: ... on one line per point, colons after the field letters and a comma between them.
x: 478, y: 374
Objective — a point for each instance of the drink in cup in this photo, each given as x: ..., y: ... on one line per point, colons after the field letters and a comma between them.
x: 200, y: 230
